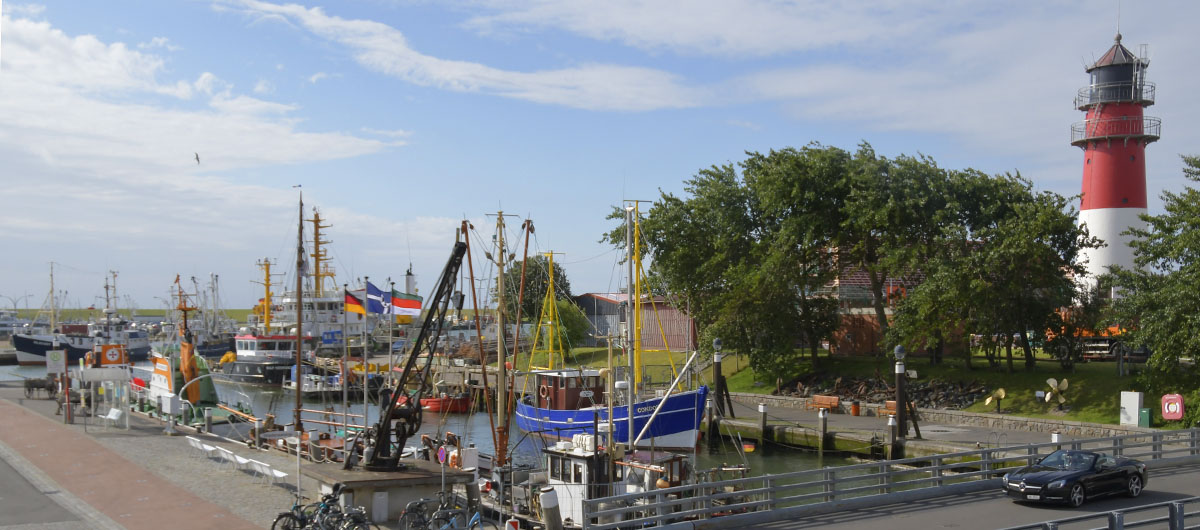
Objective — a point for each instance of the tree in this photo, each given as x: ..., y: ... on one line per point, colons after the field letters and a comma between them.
x: 537, y: 280
x: 750, y: 252
x: 1157, y: 300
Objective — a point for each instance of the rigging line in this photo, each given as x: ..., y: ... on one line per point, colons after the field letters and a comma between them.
x: 597, y: 256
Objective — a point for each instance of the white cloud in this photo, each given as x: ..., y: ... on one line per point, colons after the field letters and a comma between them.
x: 23, y: 10
x: 158, y: 42
x: 384, y: 49
x: 718, y: 27
x: 263, y: 87
x: 317, y: 77
x: 395, y: 133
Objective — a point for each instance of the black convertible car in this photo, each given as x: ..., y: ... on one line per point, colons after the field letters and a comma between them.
x: 1072, y: 477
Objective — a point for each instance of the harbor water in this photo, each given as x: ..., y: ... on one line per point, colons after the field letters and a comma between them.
x: 473, y: 428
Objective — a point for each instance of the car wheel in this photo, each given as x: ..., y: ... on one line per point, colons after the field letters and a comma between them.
x: 1077, y: 496
x: 1133, y: 488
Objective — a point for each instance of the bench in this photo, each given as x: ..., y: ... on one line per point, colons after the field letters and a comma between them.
x: 823, y: 402
x: 889, y: 408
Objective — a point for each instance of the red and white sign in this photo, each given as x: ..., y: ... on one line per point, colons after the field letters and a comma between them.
x: 1172, y: 407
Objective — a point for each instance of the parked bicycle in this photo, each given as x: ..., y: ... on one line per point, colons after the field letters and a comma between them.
x: 447, y: 516
x: 325, y: 514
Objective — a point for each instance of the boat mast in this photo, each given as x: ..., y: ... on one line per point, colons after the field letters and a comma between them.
x: 502, y: 387
x: 299, y: 314
x: 629, y: 323
x: 320, y: 255
x: 53, y: 309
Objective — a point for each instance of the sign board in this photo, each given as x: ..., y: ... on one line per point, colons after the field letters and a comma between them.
x: 586, y: 394
x: 441, y: 455
x: 331, y: 337
x: 104, y: 374
x: 1172, y: 407
x: 56, y: 361
x: 112, y: 354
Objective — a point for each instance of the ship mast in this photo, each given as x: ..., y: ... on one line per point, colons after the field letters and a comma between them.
x: 300, y: 317
x: 53, y: 309
x: 502, y: 387
x: 265, y: 265
x: 320, y: 255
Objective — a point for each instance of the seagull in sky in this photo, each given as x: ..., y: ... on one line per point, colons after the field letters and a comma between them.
x: 197, y: 159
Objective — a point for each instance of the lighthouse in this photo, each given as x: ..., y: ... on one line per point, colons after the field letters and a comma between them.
x: 1114, y: 136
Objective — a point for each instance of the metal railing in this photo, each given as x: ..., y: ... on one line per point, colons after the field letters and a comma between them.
x: 774, y: 497
x: 1115, y: 93
x: 1176, y: 517
x: 1147, y: 128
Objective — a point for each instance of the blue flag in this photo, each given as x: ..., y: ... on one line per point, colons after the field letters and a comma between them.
x: 374, y: 299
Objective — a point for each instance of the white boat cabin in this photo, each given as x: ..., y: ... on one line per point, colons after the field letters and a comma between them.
x: 273, y: 347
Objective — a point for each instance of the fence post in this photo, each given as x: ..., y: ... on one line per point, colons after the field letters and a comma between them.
x: 707, y: 502
x: 1195, y: 443
x: 1157, y: 438
x: 830, y: 484
x: 1175, y: 514
x: 884, y: 482
x: 986, y: 464
x: 937, y: 471
x: 1116, y: 521
x: 1117, y: 447
x: 769, y: 484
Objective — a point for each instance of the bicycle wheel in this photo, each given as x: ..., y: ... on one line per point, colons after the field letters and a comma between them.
x: 484, y: 524
x: 448, y: 519
x: 287, y: 521
x: 413, y: 521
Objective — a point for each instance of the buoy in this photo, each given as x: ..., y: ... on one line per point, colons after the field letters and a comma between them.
x: 748, y: 447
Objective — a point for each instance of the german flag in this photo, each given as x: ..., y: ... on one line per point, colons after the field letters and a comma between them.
x: 354, y: 305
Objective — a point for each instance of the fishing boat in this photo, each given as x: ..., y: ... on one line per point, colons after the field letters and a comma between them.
x: 79, y: 339
x: 180, y: 371
x: 567, y: 402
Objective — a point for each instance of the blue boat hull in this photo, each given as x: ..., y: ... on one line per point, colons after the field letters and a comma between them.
x: 676, y: 426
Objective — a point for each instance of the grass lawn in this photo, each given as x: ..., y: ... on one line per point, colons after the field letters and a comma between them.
x: 1093, y: 393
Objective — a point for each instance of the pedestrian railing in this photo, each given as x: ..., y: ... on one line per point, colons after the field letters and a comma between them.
x: 1174, y: 513
x: 773, y: 497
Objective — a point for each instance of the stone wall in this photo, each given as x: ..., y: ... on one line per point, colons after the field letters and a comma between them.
x: 1076, y: 429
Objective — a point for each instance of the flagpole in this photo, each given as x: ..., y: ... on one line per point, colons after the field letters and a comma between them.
x: 391, y: 313
x: 345, y: 380
x: 365, y: 357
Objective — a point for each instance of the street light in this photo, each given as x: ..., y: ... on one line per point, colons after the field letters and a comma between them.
x: 901, y: 398
x: 15, y: 300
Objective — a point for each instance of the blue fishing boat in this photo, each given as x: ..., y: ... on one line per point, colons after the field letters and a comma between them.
x: 570, y: 402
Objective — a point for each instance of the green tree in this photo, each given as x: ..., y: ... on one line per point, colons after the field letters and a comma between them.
x: 1157, y: 302
x: 537, y: 280
x: 750, y: 252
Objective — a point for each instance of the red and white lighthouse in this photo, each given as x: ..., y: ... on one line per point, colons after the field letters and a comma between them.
x: 1114, y: 136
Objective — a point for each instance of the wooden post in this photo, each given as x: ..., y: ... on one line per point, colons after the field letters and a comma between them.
x: 762, y: 424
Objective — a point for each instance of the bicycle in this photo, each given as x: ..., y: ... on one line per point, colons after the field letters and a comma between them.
x: 318, y: 514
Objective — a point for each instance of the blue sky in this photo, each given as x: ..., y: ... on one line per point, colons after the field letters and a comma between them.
x: 401, y: 118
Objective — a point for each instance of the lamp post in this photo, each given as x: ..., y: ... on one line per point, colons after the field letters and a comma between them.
x: 718, y: 379
x: 901, y: 398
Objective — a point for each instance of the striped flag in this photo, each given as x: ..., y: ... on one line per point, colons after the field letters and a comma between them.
x: 375, y: 299
x: 354, y: 305
x: 405, y: 304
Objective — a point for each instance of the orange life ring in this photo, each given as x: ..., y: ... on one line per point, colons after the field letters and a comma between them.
x: 544, y: 391
x: 454, y: 462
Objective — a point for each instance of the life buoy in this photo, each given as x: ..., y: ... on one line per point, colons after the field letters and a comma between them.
x: 544, y: 391
x: 454, y: 461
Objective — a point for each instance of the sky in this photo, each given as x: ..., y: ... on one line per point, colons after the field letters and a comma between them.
x: 399, y: 119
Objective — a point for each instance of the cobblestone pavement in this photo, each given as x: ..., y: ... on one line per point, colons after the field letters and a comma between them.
x: 113, y: 478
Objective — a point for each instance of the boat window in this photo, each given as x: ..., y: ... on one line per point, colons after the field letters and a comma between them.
x: 562, y: 382
x: 266, y: 345
x: 578, y: 474
x: 555, y: 471
x: 571, y: 382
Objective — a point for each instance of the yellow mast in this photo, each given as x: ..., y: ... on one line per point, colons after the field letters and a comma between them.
x: 265, y: 265
x: 636, y: 287
x: 320, y: 256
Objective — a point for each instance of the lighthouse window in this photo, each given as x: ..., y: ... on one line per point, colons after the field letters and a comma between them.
x: 1089, y: 161
x: 1132, y: 158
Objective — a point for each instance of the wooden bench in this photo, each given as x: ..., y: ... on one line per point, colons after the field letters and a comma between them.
x: 823, y: 402
x: 889, y: 408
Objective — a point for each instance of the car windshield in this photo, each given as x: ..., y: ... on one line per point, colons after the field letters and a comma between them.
x: 1073, y: 460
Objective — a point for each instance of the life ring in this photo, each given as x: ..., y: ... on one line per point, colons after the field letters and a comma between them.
x: 544, y: 391
x: 454, y: 462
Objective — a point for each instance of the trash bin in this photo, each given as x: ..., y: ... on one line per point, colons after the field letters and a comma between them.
x: 1143, y: 417
x: 854, y: 408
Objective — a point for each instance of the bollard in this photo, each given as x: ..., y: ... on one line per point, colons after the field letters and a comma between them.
x: 895, y: 445
x: 550, y: 513
x: 762, y: 424
x: 208, y: 420
x: 714, y: 430
x: 823, y: 427
x: 472, y: 493
x: 141, y: 403
x: 258, y: 426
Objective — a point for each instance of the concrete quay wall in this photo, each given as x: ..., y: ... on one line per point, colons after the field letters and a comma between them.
x: 999, y: 422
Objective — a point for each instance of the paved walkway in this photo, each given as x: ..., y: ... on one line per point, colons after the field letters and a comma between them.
x: 59, y: 477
